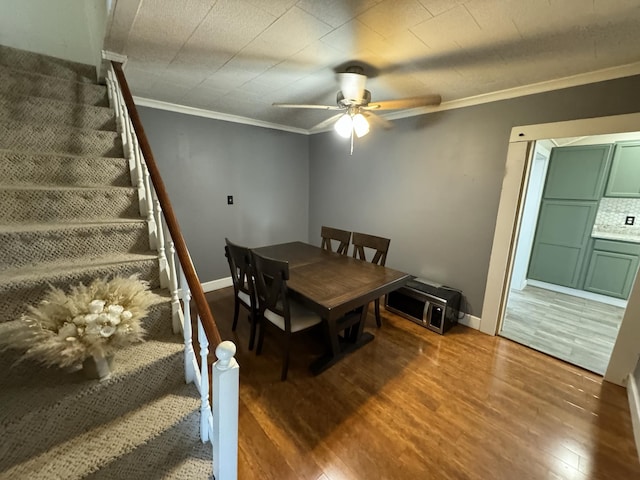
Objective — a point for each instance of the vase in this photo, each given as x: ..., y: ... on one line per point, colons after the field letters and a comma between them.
x: 98, y: 367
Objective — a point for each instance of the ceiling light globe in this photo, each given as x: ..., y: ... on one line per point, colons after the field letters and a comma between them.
x: 344, y: 126
x: 360, y: 125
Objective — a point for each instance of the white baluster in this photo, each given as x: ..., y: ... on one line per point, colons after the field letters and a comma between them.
x: 143, y: 195
x: 226, y: 391
x: 109, y: 84
x: 115, y: 91
x: 189, y: 354
x: 205, y: 408
x: 162, y: 254
x: 151, y: 220
x: 173, y: 279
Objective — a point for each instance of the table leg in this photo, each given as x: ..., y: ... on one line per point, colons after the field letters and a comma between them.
x: 355, y: 338
x: 333, y: 355
x: 358, y: 336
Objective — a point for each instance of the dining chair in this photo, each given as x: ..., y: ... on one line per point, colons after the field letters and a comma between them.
x: 342, y: 236
x: 380, y: 246
x: 239, y: 258
x: 276, y: 307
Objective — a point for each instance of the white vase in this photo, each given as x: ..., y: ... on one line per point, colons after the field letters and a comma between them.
x: 98, y: 367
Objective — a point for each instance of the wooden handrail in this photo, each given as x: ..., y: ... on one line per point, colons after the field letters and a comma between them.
x: 208, y: 323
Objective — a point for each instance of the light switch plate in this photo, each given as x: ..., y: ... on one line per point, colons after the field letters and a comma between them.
x: 229, y: 199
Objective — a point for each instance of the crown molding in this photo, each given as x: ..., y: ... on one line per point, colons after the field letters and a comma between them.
x: 201, y: 112
x: 540, y: 87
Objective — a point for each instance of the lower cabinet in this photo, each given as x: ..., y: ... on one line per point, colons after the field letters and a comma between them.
x: 612, y: 268
x: 561, y: 243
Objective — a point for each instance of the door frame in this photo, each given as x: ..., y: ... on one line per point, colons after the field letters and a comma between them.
x: 521, y: 142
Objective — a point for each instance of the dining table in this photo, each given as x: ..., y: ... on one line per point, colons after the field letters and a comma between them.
x: 338, y: 288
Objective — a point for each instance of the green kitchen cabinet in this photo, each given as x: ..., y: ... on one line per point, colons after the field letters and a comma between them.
x: 561, y: 241
x: 624, y: 178
x: 612, y: 268
x: 578, y: 173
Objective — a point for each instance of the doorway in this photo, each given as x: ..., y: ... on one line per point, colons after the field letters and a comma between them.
x: 521, y: 148
x: 572, y: 324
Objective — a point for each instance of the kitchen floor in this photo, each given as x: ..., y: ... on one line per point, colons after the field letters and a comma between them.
x: 573, y: 329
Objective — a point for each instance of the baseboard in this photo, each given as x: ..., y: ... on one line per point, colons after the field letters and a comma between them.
x: 616, y: 302
x: 213, y: 285
x: 217, y: 284
x: 634, y: 408
x: 470, y: 321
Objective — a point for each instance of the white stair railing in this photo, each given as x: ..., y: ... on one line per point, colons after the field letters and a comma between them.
x: 219, y: 418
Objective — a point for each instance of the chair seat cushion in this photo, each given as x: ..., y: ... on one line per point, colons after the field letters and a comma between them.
x: 244, y: 297
x: 301, y: 317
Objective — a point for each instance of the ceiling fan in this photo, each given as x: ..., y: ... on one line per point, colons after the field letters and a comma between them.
x: 356, y: 108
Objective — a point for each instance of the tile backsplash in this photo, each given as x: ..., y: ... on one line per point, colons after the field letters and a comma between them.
x: 612, y: 213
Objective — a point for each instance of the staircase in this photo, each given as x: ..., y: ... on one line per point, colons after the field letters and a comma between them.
x: 69, y: 214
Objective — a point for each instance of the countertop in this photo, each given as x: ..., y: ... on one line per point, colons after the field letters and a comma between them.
x: 620, y: 234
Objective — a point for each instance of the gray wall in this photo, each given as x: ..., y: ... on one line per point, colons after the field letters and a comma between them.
x: 203, y: 160
x: 73, y: 29
x: 433, y: 183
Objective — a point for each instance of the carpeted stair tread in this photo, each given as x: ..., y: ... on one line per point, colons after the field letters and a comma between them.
x: 38, y: 203
x: 18, y: 168
x: 47, y: 65
x: 36, y: 245
x: 176, y: 454
x: 55, y: 225
x: 57, y: 385
x: 25, y: 274
x: 24, y: 82
x: 166, y: 427
x: 27, y: 286
x: 69, y: 412
x: 24, y: 108
x: 44, y: 138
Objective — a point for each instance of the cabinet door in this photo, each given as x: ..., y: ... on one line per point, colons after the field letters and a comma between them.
x: 562, y: 236
x: 578, y: 173
x: 611, y: 273
x: 624, y: 179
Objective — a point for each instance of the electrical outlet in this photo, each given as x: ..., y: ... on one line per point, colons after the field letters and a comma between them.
x: 229, y: 199
x: 629, y: 220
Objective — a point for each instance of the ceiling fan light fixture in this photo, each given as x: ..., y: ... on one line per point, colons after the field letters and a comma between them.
x: 360, y: 125
x: 352, y: 86
x: 344, y: 126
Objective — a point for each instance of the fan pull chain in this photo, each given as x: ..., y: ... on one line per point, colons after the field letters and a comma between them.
x: 351, y: 152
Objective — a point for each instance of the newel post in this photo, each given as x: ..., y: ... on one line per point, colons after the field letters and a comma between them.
x: 226, y: 391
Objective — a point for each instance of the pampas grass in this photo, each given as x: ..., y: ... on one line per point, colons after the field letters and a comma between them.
x: 94, y: 320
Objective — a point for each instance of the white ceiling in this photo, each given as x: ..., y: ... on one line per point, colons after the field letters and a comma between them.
x: 237, y: 57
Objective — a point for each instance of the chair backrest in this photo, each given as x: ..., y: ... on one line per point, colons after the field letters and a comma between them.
x: 271, y: 286
x: 342, y: 236
x: 379, y: 244
x: 239, y: 258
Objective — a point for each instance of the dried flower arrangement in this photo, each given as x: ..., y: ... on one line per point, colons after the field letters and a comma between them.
x: 90, y: 321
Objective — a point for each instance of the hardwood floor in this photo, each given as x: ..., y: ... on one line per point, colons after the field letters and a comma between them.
x: 413, y: 404
x: 579, y: 331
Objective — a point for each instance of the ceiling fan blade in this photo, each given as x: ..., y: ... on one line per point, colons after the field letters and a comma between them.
x: 325, y: 123
x: 300, y: 105
x: 352, y: 86
x: 412, y: 102
x: 377, y: 120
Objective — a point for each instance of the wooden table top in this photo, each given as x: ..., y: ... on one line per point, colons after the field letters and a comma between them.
x: 332, y: 284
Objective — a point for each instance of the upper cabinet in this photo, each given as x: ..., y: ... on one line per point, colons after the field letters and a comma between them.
x: 624, y: 179
x: 578, y: 173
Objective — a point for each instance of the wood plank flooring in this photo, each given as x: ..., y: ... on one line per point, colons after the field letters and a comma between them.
x: 577, y: 330
x: 413, y: 404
